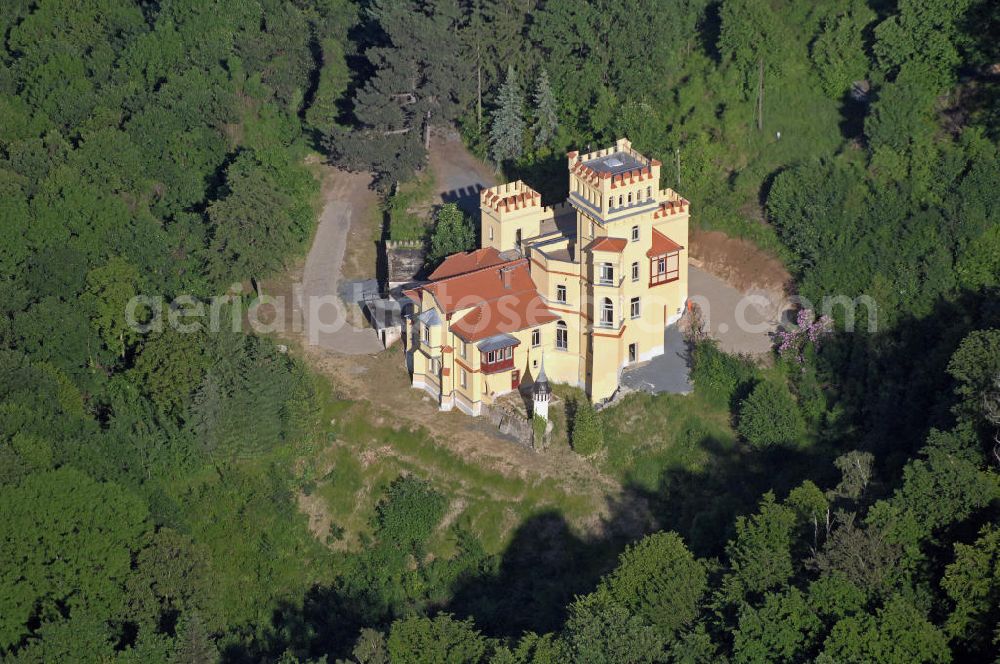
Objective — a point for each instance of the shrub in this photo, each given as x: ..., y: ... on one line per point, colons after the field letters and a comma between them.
x: 588, y: 435
x: 722, y: 377
x: 770, y: 416
x: 409, y: 512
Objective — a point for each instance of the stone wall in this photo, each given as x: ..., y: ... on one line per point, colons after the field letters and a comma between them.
x: 511, y: 423
x: 404, y: 260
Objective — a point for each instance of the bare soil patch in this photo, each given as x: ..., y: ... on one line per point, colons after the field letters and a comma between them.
x: 740, y: 263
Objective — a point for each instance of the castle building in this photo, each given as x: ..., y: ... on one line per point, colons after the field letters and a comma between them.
x: 592, y: 283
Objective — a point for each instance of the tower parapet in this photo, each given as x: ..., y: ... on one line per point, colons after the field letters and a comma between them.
x: 608, y: 181
x: 510, y: 212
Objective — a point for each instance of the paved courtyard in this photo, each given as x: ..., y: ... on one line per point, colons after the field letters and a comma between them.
x: 669, y: 372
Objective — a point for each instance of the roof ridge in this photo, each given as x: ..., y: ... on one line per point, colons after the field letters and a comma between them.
x: 495, y: 266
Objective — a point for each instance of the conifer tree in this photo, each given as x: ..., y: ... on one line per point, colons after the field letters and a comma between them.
x: 546, y: 120
x: 507, y: 132
x: 588, y: 435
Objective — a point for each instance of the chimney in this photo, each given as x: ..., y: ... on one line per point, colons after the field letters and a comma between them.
x: 505, y: 276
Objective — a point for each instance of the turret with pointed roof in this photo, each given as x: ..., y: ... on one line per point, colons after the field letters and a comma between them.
x: 541, y: 392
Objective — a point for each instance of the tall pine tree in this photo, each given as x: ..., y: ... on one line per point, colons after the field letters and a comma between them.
x: 422, y: 76
x: 507, y: 132
x: 546, y: 120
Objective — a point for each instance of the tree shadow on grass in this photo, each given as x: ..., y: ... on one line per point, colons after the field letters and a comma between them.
x: 547, y: 564
x: 702, y: 506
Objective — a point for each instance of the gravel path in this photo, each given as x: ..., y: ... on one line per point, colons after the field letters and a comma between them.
x: 324, y: 315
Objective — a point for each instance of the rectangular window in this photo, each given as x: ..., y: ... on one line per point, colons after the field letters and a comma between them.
x: 561, y: 294
x: 509, y: 353
x: 635, y: 233
x: 607, y: 276
x: 427, y: 334
x: 635, y: 271
x: 465, y: 350
x: 562, y: 338
x: 634, y: 307
x: 664, y: 268
x: 607, y: 313
x: 464, y: 377
x: 536, y: 338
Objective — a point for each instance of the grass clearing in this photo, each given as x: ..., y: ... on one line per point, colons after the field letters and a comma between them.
x: 646, y: 436
x: 363, y: 456
x: 407, y: 210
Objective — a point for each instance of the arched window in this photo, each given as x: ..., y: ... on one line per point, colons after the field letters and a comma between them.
x: 611, y: 202
x: 608, y: 313
x: 649, y: 192
x: 630, y: 198
x: 562, y: 336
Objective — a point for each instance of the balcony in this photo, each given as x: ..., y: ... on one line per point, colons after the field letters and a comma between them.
x: 498, y: 366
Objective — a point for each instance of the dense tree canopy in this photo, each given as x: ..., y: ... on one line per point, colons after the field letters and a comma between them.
x: 151, y: 489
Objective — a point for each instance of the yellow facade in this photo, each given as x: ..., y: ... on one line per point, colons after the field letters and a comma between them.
x: 610, y: 262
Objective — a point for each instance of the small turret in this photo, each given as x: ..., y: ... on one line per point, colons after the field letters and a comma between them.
x: 541, y: 392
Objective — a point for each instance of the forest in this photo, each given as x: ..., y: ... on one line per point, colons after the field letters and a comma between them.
x: 148, y: 482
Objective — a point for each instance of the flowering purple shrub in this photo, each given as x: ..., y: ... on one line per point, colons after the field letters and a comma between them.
x: 808, y: 329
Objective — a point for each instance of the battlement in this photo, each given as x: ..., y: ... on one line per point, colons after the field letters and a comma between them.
x: 509, y: 197
x: 675, y: 204
x: 556, y: 209
x: 613, y: 167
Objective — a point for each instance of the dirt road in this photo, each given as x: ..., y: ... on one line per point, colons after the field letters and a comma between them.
x: 324, y: 317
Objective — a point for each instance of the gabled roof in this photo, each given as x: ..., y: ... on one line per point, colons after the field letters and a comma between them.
x: 500, y: 299
x: 472, y: 288
x: 510, y: 313
x: 615, y: 244
x: 466, y: 262
x: 662, y: 245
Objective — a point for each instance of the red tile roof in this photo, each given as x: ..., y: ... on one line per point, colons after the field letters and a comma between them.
x: 662, y: 245
x: 472, y: 288
x: 503, y: 299
x: 462, y: 263
x: 509, y: 313
x: 615, y: 244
